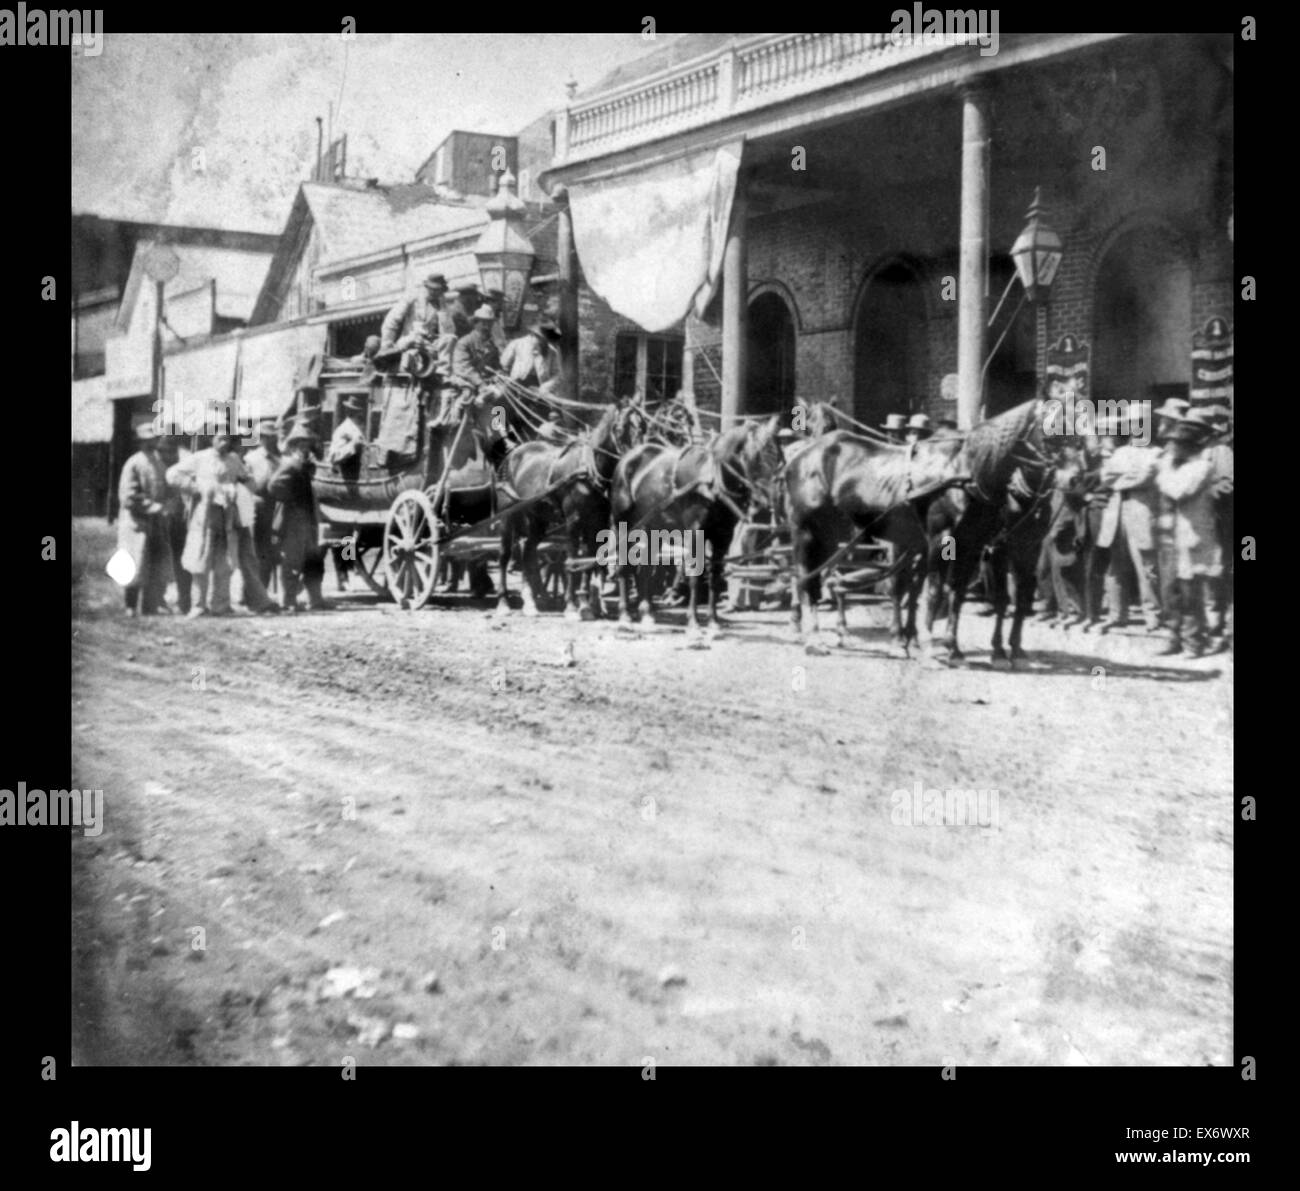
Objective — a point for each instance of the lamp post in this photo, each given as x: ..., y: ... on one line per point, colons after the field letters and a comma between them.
x: 504, y: 252
x: 1036, y: 255
x: 160, y: 265
x: 1037, y: 252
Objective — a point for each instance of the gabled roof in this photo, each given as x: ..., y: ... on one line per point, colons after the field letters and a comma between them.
x: 353, y: 220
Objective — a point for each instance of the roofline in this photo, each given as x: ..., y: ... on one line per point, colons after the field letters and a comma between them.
x: 180, y: 233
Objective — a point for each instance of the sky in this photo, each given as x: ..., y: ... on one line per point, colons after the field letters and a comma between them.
x: 218, y: 130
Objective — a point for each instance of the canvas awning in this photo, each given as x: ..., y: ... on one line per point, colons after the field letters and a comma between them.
x: 650, y: 242
x: 271, y: 365
x: 195, y: 382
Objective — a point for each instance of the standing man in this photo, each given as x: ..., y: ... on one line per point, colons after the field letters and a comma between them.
x: 1220, y: 454
x: 1168, y: 417
x: 214, y: 478
x: 302, y: 564
x: 141, y: 525
x: 172, y: 450
x: 262, y: 462
x: 1128, y: 524
x: 1186, y: 477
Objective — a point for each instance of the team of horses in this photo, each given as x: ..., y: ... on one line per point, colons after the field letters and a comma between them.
x: 952, y: 507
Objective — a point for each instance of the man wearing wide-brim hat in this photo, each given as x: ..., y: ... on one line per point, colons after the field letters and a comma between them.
x: 476, y: 358
x: 894, y: 427
x: 918, y: 427
x: 262, y: 462
x: 349, y: 439
x: 143, y: 494
x: 1173, y: 411
x: 302, y: 564
x: 468, y: 300
x: 533, y: 359
x: 1185, y: 477
x: 417, y: 320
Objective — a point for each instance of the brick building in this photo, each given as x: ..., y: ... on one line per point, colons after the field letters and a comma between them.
x: 865, y: 165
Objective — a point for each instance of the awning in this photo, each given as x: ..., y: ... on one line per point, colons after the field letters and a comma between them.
x: 196, y: 382
x: 650, y: 242
x: 270, y: 366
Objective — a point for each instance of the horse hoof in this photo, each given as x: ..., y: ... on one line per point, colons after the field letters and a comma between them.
x: 585, y: 614
x: 572, y: 615
x: 814, y: 649
x: 1000, y: 661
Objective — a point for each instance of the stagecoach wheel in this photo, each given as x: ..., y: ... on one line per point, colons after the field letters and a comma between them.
x: 411, y: 537
x: 370, y: 562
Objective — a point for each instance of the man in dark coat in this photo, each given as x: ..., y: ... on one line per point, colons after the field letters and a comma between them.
x: 262, y: 462
x: 142, y: 527
x: 302, y: 564
x: 176, y: 517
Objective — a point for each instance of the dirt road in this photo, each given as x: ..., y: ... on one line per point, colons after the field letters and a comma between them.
x: 434, y: 838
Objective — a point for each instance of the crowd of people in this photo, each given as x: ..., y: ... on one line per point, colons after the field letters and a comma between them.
x: 196, y: 518
x: 1146, y: 523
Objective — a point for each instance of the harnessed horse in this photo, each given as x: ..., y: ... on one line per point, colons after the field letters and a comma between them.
x: 577, y: 474
x: 693, y: 488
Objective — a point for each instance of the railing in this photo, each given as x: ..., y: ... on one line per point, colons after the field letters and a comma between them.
x: 743, y: 76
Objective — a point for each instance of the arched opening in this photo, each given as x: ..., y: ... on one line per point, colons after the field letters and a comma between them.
x: 769, y: 385
x: 1142, y: 302
x: 890, y: 353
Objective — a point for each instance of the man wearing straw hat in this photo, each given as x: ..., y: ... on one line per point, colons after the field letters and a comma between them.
x: 1186, y: 478
x: 894, y: 427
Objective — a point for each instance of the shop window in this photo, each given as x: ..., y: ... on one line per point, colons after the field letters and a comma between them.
x: 649, y: 363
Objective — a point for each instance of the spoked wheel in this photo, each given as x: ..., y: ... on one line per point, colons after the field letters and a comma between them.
x: 370, y: 563
x: 411, y: 537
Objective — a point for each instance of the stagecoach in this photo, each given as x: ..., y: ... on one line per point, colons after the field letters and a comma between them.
x: 419, y: 495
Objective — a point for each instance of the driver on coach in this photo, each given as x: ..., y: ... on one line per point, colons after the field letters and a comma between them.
x: 476, y: 358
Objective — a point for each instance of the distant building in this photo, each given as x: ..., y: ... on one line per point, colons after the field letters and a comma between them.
x: 113, y: 327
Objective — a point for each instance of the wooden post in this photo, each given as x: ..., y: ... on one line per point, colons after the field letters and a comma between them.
x: 735, y: 310
x: 972, y: 325
x: 568, y: 270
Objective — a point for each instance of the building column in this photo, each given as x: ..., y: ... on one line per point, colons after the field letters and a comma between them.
x: 973, y: 280
x: 567, y: 255
x: 735, y: 309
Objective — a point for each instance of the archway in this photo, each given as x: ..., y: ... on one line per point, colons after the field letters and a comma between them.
x: 890, y: 352
x: 769, y: 385
x: 1142, y: 320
